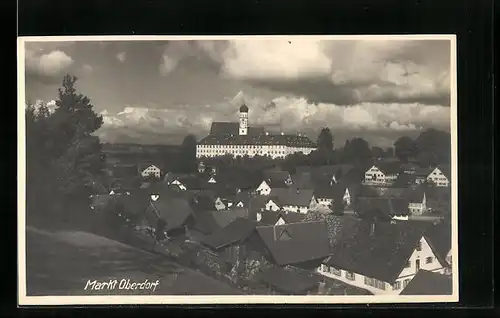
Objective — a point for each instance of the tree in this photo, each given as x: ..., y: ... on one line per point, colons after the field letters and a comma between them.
x: 187, y: 157
x: 325, y: 140
x: 427, y: 159
x: 405, y: 148
x: 358, y: 151
x: 389, y: 152
x: 436, y: 142
x: 61, y: 144
x: 377, y: 152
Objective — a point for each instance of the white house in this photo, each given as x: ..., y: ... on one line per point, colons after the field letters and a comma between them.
x: 439, y: 177
x: 271, y: 205
x: 274, y: 179
x: 151, y: 170
x: 239, y: 139
x: 328, y: 195
x: 382, y: 174
x: 292, y: 200
x: 383, y: 260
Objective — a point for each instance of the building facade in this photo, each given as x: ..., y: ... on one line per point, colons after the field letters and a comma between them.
x: 238, y: 139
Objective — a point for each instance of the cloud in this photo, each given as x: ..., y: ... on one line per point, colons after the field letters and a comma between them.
x: 87, y: 68
x: 121, y: 56
x: 287, y: 113
x: 47, y: 64
x: 343, y: 72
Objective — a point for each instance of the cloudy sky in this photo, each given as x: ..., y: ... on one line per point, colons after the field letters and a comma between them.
x: 158, y: 91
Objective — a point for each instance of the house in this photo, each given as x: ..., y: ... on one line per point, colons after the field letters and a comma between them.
x: 440, y: 176
x: 417, y: 200
x: 429, y: 283
x: 224, y: 217
x: 384, y: 173
x: 304, y: 180
x: 174, y: 211
x: 100, y: 201
x: 381, y: 208
x: 440, y: 238
x: 332, y: 174
x: 283, y: 281
x: 291, y: 200
x: 278, y: 218
x: 380, y: 257
x: 147, y: 170
x: 239, y: 180
x: 328, y: 195
x: 274, y: 179
x: 303, y: 244
x: 230, y: 241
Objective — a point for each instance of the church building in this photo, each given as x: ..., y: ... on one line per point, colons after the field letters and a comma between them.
x: 239, y: 139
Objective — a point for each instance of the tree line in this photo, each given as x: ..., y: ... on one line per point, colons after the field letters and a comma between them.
x: 63, y: 158
x: 432, y: 147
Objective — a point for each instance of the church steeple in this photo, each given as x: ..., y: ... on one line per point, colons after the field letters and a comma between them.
x: 243, y: 120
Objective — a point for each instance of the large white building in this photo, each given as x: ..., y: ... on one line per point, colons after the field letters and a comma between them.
x: 238, y: 139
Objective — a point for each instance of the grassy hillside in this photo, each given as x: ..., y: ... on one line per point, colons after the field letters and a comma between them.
x: 61, y: 263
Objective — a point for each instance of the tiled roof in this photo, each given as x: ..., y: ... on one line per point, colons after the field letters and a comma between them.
x: 260, y: 139
x: 383, y: 208
x: 173, y: 210
x: 307, y: 241
x: 304, y: 180
x: 232, y: 128
x: 429, y: 283
x: 289, y: 282
x: 237, y: 231
x: 334, y: 192
x: 293, y: 196
x: 205, y: 222
x: 381, y: 255
x: 446, y: 170
x: 271, y: 217
x: 439, y: 237
x: 224, y: 217
x: 389, y: 167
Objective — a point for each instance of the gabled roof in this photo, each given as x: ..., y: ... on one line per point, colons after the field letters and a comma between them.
x: 261, y: 139
x: 237, y: 231
x: 388, y: 167
x: 439, y: 237
x: 293, y: 196
x: 429, y: 283
x: 446, y: 170
x: 271, y: 217
x: 232, y: 128
x: 173, y: 210
x: 308, y: 241
x: 224, y: 217
x: 143, y: 165
x: 289, y: 282
x: 277, y: 175
x: 381, y: 255
x: 334, y: 192
x: 205, y: 222
x: 239, y: 179
x: 134, y: 204
x: 382, y: 207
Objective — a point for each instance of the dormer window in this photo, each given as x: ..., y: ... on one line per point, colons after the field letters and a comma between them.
x: 155, y: 197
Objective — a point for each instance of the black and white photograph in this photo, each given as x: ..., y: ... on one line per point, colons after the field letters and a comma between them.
x: 237, y: 169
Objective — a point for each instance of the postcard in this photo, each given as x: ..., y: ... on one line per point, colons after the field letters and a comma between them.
x: 237, y: 169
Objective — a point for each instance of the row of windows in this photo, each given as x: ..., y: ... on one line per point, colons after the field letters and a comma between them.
x: 428, y: 260
x: 374, y: 283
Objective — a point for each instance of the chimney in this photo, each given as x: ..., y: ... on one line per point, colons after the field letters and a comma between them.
x: 372, y: 229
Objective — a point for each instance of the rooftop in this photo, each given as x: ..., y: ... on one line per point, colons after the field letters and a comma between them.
x: 429, y: 283
x: 258, y: 139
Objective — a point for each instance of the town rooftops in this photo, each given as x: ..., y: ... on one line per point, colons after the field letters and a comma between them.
x: 429, y: 283
x: 382, y: 207
x: 439, y: 237
x: 292, y: 196
x: 173, y: 210
x: 289, y: 282
x: 334, y: 192
x: 376, y: 250
x: 389, y: 168
x: 262, y: 139
x: 304, y: 180
x: 237, y: 231
x: 296, y: 243
x: 271, y: 217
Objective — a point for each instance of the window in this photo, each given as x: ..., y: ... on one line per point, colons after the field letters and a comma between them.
x: 375, y: 283
x: 406, y: 282
x: 428, y: 260
x: 335, y: 271
x: 419, y: 246
x: 408, y: 264
x: 396, y: 286
x: 350, y: 275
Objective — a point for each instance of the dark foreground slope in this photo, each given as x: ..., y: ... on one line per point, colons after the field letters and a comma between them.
x: 61, y: 263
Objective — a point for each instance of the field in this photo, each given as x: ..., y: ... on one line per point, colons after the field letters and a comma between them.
x: 61, y: 263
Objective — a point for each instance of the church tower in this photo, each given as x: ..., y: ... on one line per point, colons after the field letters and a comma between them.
x: 243, y: 120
